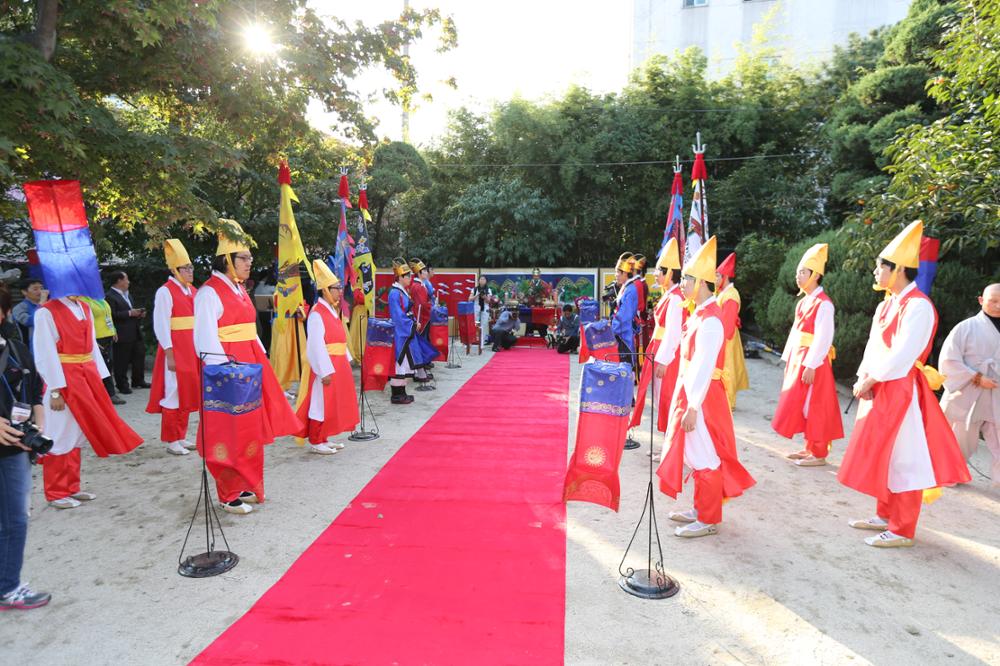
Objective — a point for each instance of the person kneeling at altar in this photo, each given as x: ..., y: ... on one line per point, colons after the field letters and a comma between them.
x: 503, y: 330
x: 329, y: 406
x: 568, y: 332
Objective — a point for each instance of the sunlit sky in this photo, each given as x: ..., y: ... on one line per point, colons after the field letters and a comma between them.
x: 513, y: 48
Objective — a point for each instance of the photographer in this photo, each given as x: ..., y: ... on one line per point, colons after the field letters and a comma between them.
x: 20, y: 386
x: 503, y: 329
x: 568, y: 334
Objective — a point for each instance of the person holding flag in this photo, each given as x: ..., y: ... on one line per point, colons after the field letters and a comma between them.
x: 288, y: 355
x: 225, y: 329
x: 808, y: 402
x: 902, y: 449
x: 75, y: 404
x: 176, y: 389
x: 735, y: 369
x: 700, y: 430
x: 327, y: 403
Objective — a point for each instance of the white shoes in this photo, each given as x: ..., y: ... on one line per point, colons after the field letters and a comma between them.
x: 84, y: 496
x: 335, y: 445
x: 238, y: 507
x: 177, y: 448
x: 65, y: 503
x: 696, y: 529
x: 889, y: 540
x: 810, y: 461
x: 688, y: 516
x: 321, y: 449
x: 188, y: 445
x: 874, y: 523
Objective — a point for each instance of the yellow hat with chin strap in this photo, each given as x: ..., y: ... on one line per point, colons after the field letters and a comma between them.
x: 904, y: 249
x: 400, y: 267
x: 702, y: 265
x: 815, y: 258
x: 228, y: 230
x: 416, y: 266
x: 639, y: 261
x: 626, y: 264
x: 324, y: 276
x: 670, y: 257
x: 175, y: 254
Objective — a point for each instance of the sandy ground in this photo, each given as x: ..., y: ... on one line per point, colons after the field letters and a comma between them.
x: 785, y: 582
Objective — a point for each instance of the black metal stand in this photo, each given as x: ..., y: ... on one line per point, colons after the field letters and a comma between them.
x: 363, y: 433
x: 212, y: 562
x: 453, y: 350
x: 651, y: 582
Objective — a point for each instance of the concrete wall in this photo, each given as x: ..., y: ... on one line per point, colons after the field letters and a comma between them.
x: 805, y: 31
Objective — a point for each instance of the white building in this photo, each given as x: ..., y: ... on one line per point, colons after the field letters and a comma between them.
x: 804, y: 31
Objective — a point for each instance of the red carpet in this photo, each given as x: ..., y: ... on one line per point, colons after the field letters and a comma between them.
x: 531, y: 341
x: 455, y: 553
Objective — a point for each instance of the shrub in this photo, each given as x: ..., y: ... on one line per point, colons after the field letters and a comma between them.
x: 756, y: 257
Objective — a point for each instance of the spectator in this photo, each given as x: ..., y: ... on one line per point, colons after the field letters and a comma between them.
x: 503, y: 329
x: 104, y: 327
x: 129, y: 348
x: 20, y: 384
x: 24, y: 312
x: 568, y: 333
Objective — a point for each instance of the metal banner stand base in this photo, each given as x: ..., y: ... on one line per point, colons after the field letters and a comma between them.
x: 208, y: 564
x: 630, y: 443
x: 363, y: 433
x: 453, y: 355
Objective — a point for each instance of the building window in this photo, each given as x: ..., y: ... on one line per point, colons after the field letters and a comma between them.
x: 695, y: 3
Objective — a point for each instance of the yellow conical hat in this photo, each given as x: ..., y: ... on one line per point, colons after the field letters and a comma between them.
x: 670, y: 257
x: 324, y: 276
x: 904, y: 249
x: 815, y: 258
x: 702, y: 265
x: 625, y: 263
x: 226, y: 243
x: 175, y: 254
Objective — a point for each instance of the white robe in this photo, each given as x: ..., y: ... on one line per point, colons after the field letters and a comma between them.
x: 910, y: 463
x: 163, y: 307
x: 60, y: 426
x: 695, y: 377
x: 972, y: 346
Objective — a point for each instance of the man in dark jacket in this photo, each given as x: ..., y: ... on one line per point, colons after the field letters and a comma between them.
x: 129, y: 348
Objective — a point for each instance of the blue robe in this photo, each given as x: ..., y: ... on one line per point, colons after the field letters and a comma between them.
x: 623, y: 323
x: 404, y: 328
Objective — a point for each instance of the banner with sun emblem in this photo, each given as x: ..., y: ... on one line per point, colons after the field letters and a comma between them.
x: 378, y: 362
x: 233, y: 393
x: 605, y: 405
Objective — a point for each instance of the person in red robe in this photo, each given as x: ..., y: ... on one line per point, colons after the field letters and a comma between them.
x: 328, y: 399
x: 642, y: 292
x: 808, y: 402
x: 175, y: 393
x: 902, y: 449
x: 421, y: 308
x: 700, y: 431
x: 225, y: 329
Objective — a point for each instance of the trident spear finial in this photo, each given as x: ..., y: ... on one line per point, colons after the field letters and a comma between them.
x: 677, y: 163
x: 699, y: 147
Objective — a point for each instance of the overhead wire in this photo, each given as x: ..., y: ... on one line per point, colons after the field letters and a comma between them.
x: 522, y: 165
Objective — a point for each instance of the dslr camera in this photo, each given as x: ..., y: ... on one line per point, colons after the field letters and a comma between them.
x: 610, y: 293
x: 37, y: 443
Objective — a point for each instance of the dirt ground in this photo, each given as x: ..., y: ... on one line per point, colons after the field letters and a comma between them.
x: 785, y: 582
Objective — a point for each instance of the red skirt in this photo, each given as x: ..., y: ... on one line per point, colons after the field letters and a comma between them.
x: 824, y: 423
x: 88, y: 401
x: 340, y: 404
x: 645, y: 377
x: 584, y: 352
x: 719, y: 421
x: 188, y: 375
x: 865, y: 467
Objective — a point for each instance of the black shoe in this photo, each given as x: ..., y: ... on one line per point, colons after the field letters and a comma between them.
x: 402, y: 399
x: 494, y: 348
x: 115, y: 400
x: 142, y: 385
x: 126, y: 390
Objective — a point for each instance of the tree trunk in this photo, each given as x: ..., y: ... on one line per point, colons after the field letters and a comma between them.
x: 44, y: 37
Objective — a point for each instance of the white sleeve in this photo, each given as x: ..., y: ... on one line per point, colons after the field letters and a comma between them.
x: 870, y: 347
x: 708, y: 341
x: 46, y: 355
x: 163, y: 307
x: 207, y: 310
x: 822, y: 336
x: 951, y: 360
x: 911, y: 339
x: 319, y: 359
x: 667, y: 351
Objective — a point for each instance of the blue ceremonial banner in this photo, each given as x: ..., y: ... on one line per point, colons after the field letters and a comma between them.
x: 590, y: 311
x: 599, y: 335
x: 439, y: 314
x: 606, y: 388
x: 380, y: 332
x: 466, y: 308
x: 69, y: 263
x: 232, y: 388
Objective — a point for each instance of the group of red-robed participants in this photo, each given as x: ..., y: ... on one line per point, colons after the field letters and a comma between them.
x: 902, y: 449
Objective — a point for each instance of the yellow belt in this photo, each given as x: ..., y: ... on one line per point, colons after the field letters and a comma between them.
x: 716, y: 374
x: 76, y: 358
x: 183, y: 324
x: 806, y: 340
x: 336, y: 348
x: 934, y: 378
x: 238, y: 333
x: 657, y: 333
